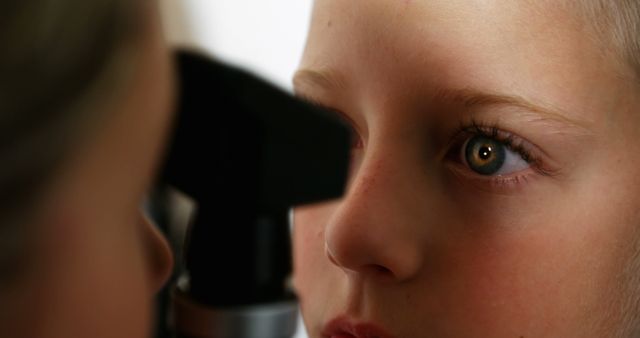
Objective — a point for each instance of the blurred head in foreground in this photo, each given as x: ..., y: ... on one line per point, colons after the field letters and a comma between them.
x: 85, y: 102
x: 495, y: 186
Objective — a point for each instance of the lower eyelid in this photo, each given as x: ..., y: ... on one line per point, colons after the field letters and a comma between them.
x: 501, y: 184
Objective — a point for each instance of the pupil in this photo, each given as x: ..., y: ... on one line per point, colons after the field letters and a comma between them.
x: 485, y: 152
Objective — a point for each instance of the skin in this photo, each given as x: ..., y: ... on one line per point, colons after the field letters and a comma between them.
x: 98, y: 260
x: 423, y: 246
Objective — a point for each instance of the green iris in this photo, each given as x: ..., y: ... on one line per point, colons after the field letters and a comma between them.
x: 484, y: 155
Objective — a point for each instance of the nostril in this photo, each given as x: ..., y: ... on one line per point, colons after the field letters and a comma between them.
x: 381, y: 269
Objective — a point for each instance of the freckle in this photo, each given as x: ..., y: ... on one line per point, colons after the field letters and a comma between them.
x: 367, y: 183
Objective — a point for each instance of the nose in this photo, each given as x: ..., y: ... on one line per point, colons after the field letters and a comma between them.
x: 158, y: 253
x: 376, y: 230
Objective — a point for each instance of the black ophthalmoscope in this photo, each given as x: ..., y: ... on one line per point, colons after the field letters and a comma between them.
x: 246, y: 152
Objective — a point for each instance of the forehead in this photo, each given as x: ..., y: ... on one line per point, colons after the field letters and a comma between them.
x: 536, y: 50
x: 491, y: 29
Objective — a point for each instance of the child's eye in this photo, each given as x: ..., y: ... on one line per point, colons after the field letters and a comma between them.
x: 490, y: 157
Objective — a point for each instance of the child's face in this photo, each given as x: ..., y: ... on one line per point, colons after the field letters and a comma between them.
x: 495, y: 190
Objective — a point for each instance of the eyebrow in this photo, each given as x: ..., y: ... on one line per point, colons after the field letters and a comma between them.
x: 473, y: 98
x: 466, y: 97
x: 320, y: 78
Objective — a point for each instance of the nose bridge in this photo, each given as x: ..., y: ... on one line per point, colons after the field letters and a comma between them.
x: 372, y: 230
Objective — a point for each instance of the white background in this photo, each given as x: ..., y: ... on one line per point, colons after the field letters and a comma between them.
x: 264, y: 36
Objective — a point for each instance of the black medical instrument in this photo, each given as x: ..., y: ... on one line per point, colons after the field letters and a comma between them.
x: 246, y: 152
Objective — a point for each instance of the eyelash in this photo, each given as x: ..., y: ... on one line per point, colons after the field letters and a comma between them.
x: 510, y: 140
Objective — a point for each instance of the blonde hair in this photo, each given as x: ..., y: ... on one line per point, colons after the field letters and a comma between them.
x: 617, y: 24
x: 60, y: 60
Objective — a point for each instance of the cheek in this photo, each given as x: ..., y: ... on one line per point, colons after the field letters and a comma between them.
x: 549, y: 275
x: 518, y: 286
x: 308, y: 244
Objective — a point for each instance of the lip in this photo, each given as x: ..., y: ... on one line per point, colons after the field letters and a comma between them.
x: 343, y: 327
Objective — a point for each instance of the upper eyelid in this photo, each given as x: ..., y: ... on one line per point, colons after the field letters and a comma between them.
x: 493, y: 131
x: 511, y: 141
